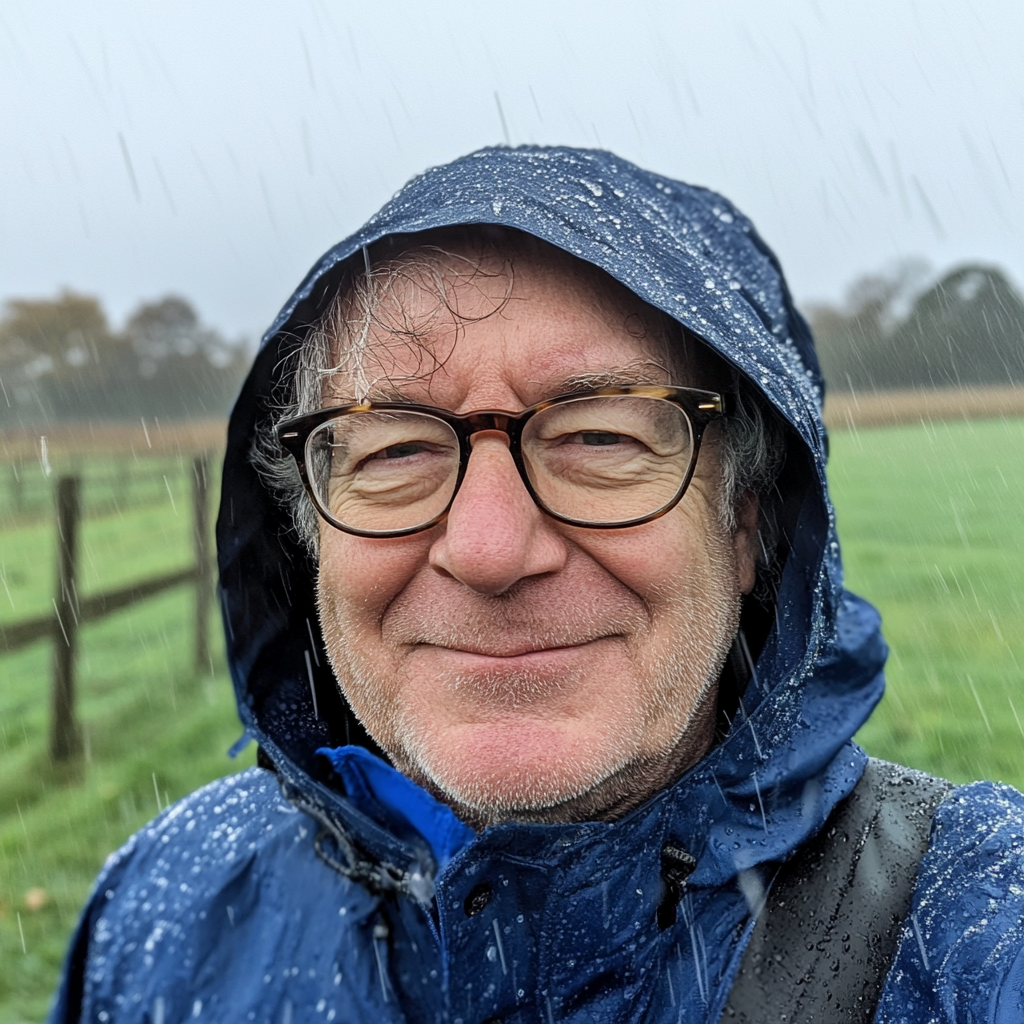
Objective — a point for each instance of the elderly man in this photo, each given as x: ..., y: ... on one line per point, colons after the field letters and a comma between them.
x: 534, y: 606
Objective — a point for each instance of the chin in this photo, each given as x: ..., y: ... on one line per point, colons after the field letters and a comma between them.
x: 518, y: 766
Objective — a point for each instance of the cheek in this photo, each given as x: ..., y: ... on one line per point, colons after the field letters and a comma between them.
x: 360, y: 577
x: 653, y: 560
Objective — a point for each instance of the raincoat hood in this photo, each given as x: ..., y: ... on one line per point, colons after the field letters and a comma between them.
x: 788, y: 757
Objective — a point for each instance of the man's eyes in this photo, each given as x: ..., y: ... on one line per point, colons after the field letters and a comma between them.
x: 598, y: 438
x: 405, y: 450
x: 399, y: 451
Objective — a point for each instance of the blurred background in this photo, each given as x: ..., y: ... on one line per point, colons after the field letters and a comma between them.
x: 169, y: 172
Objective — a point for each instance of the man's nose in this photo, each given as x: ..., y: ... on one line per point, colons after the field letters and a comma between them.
x: 494, y: 534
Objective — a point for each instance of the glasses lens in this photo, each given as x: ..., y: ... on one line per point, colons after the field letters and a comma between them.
x: 608, y: 459
x: 383, y: 471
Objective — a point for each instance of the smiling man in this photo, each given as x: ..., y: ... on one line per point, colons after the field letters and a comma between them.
x: 515, y: 659
x: 534, y: 605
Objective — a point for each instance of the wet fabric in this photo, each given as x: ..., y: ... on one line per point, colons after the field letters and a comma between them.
x: 825, y: 940
x: 284, y: 899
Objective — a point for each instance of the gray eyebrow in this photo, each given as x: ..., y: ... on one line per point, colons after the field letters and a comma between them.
x: 641, y: 372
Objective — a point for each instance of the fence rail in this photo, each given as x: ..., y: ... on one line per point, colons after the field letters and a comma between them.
x: 26, y: 493
x: 20, y: 634
x: 72, y: 611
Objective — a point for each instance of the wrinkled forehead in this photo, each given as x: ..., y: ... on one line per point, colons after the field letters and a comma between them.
x: 411, y: 299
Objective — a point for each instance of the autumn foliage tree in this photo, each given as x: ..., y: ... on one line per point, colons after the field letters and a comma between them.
x: 61, y: 360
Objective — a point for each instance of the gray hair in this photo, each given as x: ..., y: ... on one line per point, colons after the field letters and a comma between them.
x: 751, y: 441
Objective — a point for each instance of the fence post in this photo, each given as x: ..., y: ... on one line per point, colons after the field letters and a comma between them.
x: 204, y: 583
x: 65, y: 733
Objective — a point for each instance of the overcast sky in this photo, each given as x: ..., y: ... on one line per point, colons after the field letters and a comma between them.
x: 216, y: 148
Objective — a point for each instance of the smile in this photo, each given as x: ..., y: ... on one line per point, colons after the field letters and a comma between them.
x: 515, y: 651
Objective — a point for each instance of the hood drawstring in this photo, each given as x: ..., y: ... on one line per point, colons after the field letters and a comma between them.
x: 379, y: 878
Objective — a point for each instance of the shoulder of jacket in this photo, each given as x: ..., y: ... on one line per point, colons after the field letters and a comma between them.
x: 231, y: 833
x: 213, y: 826
x: 979, y: 809
x: 976, y: 856
x: 961, y: 953
x: 229, y: 809
x: 971, y: 879
x: 223, y: 880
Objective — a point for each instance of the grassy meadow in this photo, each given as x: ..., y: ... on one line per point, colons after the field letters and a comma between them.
x: 930, y: 517
x: 931, y: 522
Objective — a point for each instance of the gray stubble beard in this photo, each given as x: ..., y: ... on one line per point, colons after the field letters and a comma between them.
x: 685, y: 686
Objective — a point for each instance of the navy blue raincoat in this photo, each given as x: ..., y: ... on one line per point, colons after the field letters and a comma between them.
x: 336, y: 890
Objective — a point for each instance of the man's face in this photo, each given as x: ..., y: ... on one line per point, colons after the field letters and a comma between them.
x: 516, y: 666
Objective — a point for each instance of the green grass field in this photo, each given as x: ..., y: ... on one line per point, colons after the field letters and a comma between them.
x: 931, y: 520
x: 932, y: 530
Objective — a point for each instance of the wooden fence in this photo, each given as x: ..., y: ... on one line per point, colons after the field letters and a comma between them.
x: 26, y: 497
x: 71, y: 610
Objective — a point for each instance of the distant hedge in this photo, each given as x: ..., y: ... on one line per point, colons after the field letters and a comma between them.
x: 966, y: 329
x: 60, y: 360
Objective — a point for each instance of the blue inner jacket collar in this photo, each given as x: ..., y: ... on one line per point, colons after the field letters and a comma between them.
x: 387, y: 797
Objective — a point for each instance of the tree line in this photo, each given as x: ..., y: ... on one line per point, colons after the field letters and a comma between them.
x: 60, y: 360
x: 896, y: 330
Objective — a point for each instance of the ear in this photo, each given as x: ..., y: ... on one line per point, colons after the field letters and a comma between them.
x: 745, y: 541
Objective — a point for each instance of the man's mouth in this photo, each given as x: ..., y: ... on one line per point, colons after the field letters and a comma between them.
x: 506, y: 649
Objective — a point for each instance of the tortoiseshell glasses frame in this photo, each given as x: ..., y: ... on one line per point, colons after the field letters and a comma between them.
x: 699, y: 407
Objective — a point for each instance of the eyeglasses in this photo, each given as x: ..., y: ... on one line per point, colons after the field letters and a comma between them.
x: 604, y: 458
